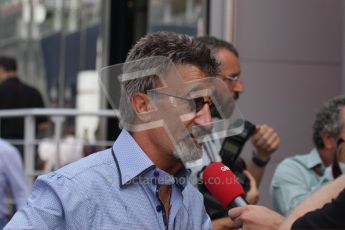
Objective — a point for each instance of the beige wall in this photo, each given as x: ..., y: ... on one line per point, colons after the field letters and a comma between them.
x: 290, y: 52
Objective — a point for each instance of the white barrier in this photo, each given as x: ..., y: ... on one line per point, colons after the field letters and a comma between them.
x: 57, y: 116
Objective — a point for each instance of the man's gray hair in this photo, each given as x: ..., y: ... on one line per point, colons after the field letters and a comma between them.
x: 328, y: 119
x: 215, y: 44
x: 178, y: 48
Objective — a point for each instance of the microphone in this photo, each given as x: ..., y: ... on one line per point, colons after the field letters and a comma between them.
x: 224, y: 185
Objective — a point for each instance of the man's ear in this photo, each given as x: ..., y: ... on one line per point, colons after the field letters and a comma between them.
x: 328, y: 140
x: 142, y: 106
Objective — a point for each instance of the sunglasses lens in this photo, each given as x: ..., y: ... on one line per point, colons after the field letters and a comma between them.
x: 199, y: 103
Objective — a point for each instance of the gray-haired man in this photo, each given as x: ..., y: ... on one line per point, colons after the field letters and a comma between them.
x: 297, y: 177
x: 140, y: 183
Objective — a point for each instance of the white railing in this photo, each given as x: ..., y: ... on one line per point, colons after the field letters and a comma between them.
x: 57, y: 117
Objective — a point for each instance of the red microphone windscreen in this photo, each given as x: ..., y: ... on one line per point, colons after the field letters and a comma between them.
x: 222, y: 183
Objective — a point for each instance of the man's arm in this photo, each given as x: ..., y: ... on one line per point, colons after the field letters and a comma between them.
x: 330, y: 216
x: 224, y: 223
x: 317, y: 200
x: 266, y: 141
x: 15, y: 175
x: 43, y: 211
x: 253, y: 194
x: 255, y: 217
x: 54, y: 204
x: 259, y: 217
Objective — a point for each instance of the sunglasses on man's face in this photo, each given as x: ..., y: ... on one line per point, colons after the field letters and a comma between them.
x: 200, y: 102
x: 197, y: 103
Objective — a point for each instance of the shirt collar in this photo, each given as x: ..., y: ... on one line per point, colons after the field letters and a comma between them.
x: 130, y: 159
x: 158, y: 176
x: 133, y: 164
x: 181, y: 178
x: 314, y: 159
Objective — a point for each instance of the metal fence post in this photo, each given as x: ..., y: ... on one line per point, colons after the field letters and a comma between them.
x: 29, y: 148
x: 58, y: 121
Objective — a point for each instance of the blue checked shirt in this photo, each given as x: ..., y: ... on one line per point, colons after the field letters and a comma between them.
x: 114, y: 189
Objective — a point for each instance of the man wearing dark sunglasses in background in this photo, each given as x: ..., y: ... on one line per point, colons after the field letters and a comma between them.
x: 265, y: 140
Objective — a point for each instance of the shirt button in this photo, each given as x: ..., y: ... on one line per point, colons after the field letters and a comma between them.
x: 159, y: 208
x: 156, y: 173
x: 154, y: 180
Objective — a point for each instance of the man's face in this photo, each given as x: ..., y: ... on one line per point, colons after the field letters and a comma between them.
x: 230, y: 70
x: 160, y: 137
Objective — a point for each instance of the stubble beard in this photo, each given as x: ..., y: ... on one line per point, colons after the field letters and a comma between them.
x: 188, y: 150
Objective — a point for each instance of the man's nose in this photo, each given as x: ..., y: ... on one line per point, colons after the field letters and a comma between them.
x: 239, y: 87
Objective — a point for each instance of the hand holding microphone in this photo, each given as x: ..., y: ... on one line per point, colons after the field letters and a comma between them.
x: 224, y: 185
x: 255, y: 217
